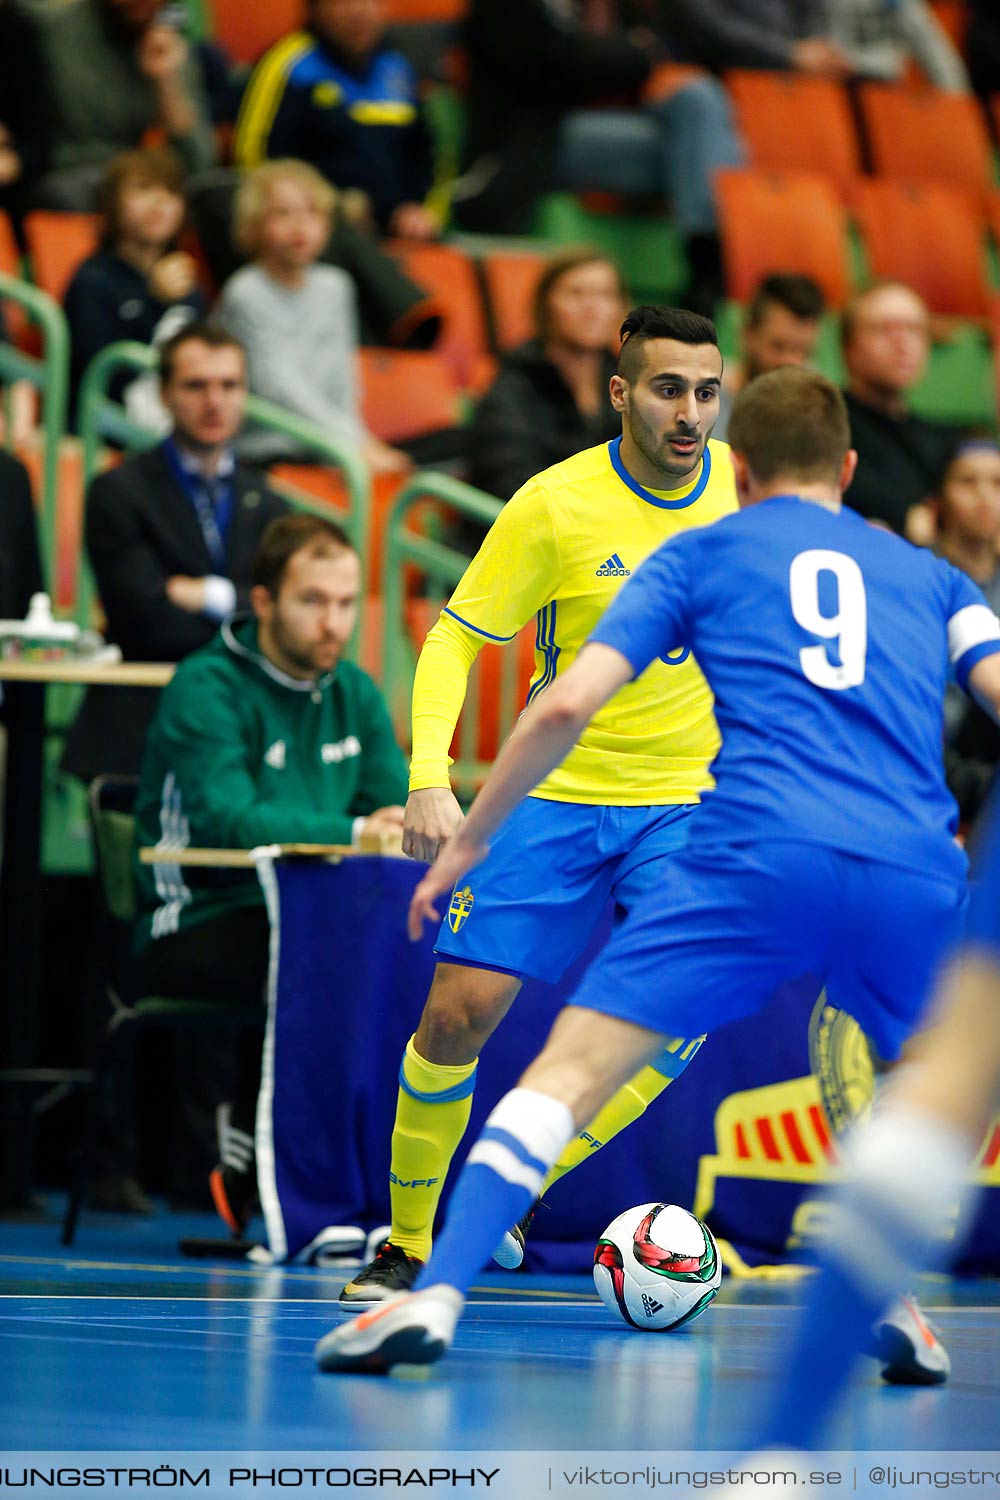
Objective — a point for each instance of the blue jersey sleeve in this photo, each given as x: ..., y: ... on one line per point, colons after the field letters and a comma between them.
x: 649, y: 618
x: 973, y: 628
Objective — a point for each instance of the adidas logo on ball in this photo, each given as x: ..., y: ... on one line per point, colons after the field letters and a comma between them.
x: 650, y: 1307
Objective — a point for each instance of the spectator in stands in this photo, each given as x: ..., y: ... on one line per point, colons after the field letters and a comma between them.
x: 335, y: 95
x: 138, y: 285
x: 882, y: 37
x: 23, y: 122
x: 265, y: 736
x: 171, y: 536
x: 20, y: 563
x: 826, y: 38
x: 796, y: 35
x: 886, y: 343
x: 550, y: 397
x: 296, y: 319
x: 115, y: 69
x: 982, y: 46
x: 968, y: 535
x: 540, y: 77
x: 781, y: 327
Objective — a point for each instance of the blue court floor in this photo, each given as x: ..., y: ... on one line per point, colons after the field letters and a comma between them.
x: 123, y: 1344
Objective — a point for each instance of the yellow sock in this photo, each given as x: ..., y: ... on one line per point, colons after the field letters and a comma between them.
x: 627, y: 1105
x: 432, y: 1111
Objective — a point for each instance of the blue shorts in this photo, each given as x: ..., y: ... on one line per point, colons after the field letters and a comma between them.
x: 530, y: 908
x: 731, y: 926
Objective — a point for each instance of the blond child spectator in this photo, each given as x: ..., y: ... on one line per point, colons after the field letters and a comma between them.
x: 297, y: 319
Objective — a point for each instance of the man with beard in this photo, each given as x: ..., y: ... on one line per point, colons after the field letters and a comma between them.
x: 265, y: 736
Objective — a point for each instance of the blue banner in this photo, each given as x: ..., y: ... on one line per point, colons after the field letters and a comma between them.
x: 744, y: 1137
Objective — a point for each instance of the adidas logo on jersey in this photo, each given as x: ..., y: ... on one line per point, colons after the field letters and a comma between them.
x: 274, y: 756
x: 649, y: 1306
x: 613, y: 568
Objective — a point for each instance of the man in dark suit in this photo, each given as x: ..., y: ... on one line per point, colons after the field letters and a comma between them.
x: 20, y: 564
x: 171, y: 535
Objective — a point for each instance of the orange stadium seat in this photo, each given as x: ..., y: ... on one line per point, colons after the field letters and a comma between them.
x: 69, y: 512
x: 423, y: 12
x: 246, y: 30
x: 794, y: 123
x: 406, y: 393
x: 930, y: 236
x: 490, y: 732
x: 782, y: 221
x: 327, y: 486
x: 10, y: 255
x: 450, y: 276
x: 57, y: 243
x: 927, y: 134
x: 511, y: 278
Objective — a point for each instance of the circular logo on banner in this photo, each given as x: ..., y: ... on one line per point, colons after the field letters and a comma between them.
x: 841, y: 1058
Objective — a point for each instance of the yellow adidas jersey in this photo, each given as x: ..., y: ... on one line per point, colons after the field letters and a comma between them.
x: 560, y: 550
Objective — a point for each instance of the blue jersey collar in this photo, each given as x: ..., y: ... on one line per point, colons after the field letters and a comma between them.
x: 614, y: 453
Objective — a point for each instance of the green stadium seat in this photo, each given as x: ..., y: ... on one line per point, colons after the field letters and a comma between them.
x: 647, y: 247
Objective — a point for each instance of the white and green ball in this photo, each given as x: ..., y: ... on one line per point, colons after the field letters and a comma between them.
x: 657, y: 1266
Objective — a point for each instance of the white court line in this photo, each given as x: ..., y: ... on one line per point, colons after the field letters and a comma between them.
x: 251, y: 1301
x: 538, y: 1302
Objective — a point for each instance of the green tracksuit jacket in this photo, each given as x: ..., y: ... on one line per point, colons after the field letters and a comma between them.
x: 241, y: 755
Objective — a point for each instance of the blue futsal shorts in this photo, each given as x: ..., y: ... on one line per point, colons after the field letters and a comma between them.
x: 530, y: 908
x: 730, y: 926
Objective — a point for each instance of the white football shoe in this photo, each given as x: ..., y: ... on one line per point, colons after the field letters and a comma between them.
x: 509, y: 1253
x: 415, y: 1328
x: 909, y: 1347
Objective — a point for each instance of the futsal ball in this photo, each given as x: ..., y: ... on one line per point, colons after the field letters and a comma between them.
x: 657, y: 1266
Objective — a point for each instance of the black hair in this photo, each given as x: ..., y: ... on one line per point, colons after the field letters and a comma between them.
x: 647, y: 322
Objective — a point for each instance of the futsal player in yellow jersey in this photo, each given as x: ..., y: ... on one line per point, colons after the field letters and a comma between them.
x: 620, y: 802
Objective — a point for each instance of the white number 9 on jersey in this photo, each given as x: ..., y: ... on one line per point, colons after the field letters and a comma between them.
x: 848, y: 626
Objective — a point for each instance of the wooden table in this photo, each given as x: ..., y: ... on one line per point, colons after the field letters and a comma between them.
x: 243, y: 859
x: 24, y: 683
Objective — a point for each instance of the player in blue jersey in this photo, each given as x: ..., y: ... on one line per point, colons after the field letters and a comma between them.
x: 824, y: 856
x: 895, y: 1213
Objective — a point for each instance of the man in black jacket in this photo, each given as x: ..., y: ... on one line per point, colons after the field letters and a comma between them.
x: 171, y: 535
x: 886, y: 340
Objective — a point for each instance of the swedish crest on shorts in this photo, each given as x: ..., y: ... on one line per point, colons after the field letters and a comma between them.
x: 461, y: 906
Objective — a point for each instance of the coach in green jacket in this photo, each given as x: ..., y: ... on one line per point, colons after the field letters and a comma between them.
x: 264, y: 736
